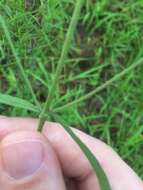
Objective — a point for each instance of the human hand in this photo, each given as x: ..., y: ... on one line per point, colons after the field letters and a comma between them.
x: 52, y: 160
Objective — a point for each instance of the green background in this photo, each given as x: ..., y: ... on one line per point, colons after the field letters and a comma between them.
x: 108, y: 39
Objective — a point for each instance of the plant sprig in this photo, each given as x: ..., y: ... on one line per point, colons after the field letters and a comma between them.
x: 103, y: 180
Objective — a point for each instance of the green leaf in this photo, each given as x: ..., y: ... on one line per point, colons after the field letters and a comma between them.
x: 17, y: 102
x: 102, y: 86
x: 102, y: 178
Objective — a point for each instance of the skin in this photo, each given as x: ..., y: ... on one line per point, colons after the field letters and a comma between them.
x: 64, y: 166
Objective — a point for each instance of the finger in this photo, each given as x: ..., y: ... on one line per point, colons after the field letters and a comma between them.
x: 120, y: 175
x: 75, y: 164
x: 28, y: 162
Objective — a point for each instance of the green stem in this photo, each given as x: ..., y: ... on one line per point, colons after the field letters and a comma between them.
x: 98, y: 89
x: 18, y: 60
x: 61, y: 62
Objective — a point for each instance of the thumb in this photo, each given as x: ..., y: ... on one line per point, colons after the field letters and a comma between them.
x: 28, y: 162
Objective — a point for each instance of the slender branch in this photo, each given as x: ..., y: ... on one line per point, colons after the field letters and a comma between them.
x: 61, y: 62
x: 18, y: 60
x: 103, y: 86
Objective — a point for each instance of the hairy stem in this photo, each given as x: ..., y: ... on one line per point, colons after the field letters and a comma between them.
x: 65, y: 50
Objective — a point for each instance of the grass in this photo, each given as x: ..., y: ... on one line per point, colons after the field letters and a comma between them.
x: 108, y: 40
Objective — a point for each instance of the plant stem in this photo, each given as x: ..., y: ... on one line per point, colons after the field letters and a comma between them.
x: 18, y: 60
x: 61, y: 62
x: 103, y: 86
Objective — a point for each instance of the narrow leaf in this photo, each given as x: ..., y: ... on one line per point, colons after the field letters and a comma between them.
x: 18, y: 61
x: 101, y: 87
x: 102, y: 178
x: 17, y: 102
